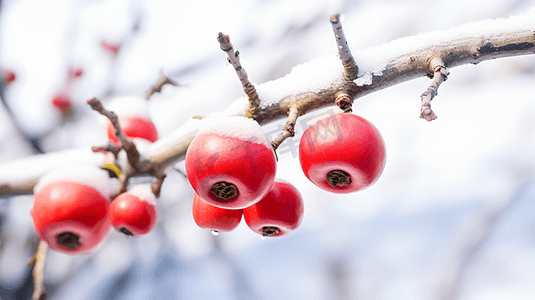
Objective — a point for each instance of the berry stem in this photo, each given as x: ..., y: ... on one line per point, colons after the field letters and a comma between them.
x: 289, y: 127
x: 440, y: 74
x: 345, y: 102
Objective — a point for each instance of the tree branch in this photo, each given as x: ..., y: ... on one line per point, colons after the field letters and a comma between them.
x: 350, y: 67
x: 289, y: 128
x: 160, y: 82
x: 38, y: 272
x: 440, y: 75
x: 379, y: 67
x: 234, y: 60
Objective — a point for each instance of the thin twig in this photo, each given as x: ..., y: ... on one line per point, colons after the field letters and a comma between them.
x: 440, y: 75
x: 110, y: 148
x: 129, y: 147
x: 157, y: 186
x: 288, y: 129
x: 137, y: 164
x: 160, y: 82
x: 344, y: 53
x: 234, y: 60
x: 38, y: 272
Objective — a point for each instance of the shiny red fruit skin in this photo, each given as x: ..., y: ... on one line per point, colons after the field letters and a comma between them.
x: 342, y: 142
x: 213, y: 217
x: 134, y: 127
x: 249, y: 166
x: 71, y: 207
x: 136, y: 215
x: 282, y: 207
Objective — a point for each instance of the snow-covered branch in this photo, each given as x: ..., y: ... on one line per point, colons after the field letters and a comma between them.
x: 320, y: 82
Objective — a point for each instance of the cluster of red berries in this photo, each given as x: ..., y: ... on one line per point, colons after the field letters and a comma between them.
x: 72, y: 210
x: 232, y: 171
x: 231, y: 166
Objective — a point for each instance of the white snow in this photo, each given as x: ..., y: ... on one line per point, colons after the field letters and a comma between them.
x: 241, y: 128
x: 91, y: 176
x: 144, y: 193
x: 310, y: 77
x: 135, y: 106
x: 33, y: 167
x: 373, y: 61
x: 384, y: 242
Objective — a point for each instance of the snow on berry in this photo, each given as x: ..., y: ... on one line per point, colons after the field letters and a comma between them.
x: 240, y: 128
x: 88, y: 175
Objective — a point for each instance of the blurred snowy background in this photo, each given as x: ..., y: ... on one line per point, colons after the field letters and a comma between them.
x: 452, y: 216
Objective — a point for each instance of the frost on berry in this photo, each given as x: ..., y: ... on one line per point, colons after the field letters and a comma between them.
x: 240, y: 128
x: 230, y: 163
x: 91, y: 176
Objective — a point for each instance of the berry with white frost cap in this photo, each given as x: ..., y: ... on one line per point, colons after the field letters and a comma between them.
x: 70, y: 210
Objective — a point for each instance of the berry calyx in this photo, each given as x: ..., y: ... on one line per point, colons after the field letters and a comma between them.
x: 230, y: 163
x: 342, y: 153
x: 70, y: 210
x: 215, y: 218
x: 279, y: 213
x: 224, y: 190
x: 338, y: 178
x: 68, y: 239
x: 134, y: 212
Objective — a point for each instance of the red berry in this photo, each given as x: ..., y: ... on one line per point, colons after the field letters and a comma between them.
x: 134, y: 127
x: 279, y: 213
x: 342, y: 153
x: 74, y: 73
x: 62, y: 103
x: 70, y: 211
x: 110, y: 47
x: 213, y: 217
x: 134, y: 212
x: 230, y: 163
x: 9, y: 76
